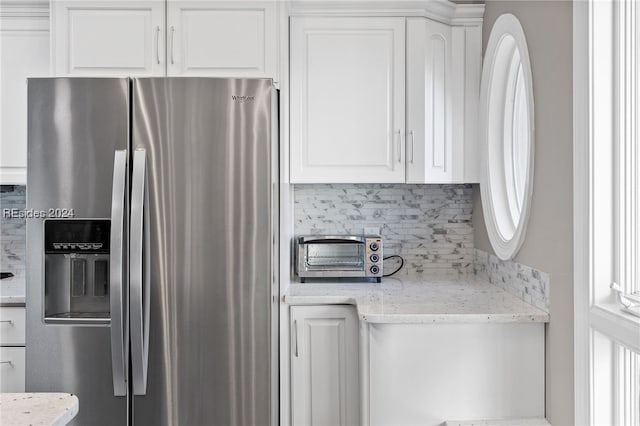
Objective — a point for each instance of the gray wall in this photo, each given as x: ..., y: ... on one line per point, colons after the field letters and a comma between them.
x: 549, y: 241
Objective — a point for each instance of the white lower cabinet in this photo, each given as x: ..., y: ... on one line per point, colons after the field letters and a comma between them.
x: 324, y: 365
x: 12, y: 351
x: 12, y: 369
x: 426, y: 374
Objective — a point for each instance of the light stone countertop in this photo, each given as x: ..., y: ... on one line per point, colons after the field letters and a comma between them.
x: 37, y: 409
x: 12, y: 291
x: 501, y: 422
x: 413, y: 300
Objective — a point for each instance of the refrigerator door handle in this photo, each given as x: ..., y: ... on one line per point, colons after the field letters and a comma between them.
x: 139, y: 278
x: 119, y: 315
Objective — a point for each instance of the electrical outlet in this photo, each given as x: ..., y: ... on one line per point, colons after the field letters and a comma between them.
x: 371, y: 230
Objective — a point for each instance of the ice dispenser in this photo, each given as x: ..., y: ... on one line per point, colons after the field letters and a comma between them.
x: 76, y: 271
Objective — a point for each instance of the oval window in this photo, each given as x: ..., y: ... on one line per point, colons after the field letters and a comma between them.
x: 507, y: 135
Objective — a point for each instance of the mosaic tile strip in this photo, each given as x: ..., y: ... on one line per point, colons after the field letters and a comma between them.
x: 12, y: 230
x: 524, y: 282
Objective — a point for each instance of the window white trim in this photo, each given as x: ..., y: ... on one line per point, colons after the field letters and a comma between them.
x: 506, y: 214
x: 599, y: 216
x: 626, y: 127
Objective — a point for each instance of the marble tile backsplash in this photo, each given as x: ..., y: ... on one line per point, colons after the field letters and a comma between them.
x: 524, y: 282
x: 12, y: 230
x: 428, y: 225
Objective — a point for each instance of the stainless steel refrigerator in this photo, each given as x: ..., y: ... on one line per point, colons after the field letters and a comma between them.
x: 152, y: 249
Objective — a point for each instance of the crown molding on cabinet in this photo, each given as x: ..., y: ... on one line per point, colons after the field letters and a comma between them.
x: 21, y: 16
x: 442, y: 11
x: 468, y: 14
x: 24, y: 9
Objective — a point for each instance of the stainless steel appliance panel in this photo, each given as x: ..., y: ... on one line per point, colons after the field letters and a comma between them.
x: 74, y: 127
x: 209, y: 157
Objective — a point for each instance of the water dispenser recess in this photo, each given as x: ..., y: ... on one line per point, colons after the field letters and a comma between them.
x: 76, y: 272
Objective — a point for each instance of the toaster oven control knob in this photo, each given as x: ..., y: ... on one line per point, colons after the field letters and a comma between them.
x: 374, y: 257
x: 374, y: 246
x: 374, y: 269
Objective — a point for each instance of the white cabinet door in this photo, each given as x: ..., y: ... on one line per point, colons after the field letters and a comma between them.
x: 347, y: 99
x: 24, y: 50
x: 217, y: 38
x: 467, y: 70
x: 108, y: 37
x: 12, y: 356
x: 12, y: 326
x: 425, y: 374
x: 324, y: 366
x: 12, y: 369
x: 429, y: 102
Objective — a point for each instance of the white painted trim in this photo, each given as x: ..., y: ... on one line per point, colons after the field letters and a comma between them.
x: 13, y: 175
x: 595, y: 199
x: 610, y: 321
x: 365, y: 373
x: 494, y: 194
x: 286, y: 216
x: 24, y: 16
x: 581, y: 216
x: 24, y: 9
x: 468, y: 14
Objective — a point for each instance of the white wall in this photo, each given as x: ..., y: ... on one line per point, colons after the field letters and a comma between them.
x: 548, y: 245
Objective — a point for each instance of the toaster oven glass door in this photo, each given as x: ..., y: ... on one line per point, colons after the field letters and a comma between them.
x: 336, y: 257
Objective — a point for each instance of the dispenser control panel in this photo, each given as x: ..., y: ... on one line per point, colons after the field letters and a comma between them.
x: 76, y: 236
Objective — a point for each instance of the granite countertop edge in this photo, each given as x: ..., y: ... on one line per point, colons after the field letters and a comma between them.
x: 13, y: 291
x: 55, y: 409
x: 421, y: 300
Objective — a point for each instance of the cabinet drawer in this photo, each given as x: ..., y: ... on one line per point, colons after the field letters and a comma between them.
x: 12, y: 326
x: 12, y: 369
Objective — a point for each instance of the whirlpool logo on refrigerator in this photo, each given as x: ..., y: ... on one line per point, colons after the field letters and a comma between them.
x: 242, y: 99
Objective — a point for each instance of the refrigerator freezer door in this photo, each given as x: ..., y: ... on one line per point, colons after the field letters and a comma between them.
x: 209, y: 154
x: 74, y: 128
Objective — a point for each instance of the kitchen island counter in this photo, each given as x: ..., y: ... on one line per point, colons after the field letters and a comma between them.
x: 51, y: 409
x: 419, y: 300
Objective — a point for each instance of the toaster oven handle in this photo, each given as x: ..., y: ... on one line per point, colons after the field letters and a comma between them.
x: 331, y: 239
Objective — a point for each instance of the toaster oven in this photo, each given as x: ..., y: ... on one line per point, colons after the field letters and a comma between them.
x: 345, y: 256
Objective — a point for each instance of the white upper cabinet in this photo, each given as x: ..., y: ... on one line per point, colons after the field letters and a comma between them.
x: 237, y: 39
x: 108, y: 37
x: 348, y: 91
x: 429, y: 102
x: 24, y: 50
x: 443, y: 89
x: 347, y: 99
x: 199, y: 38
